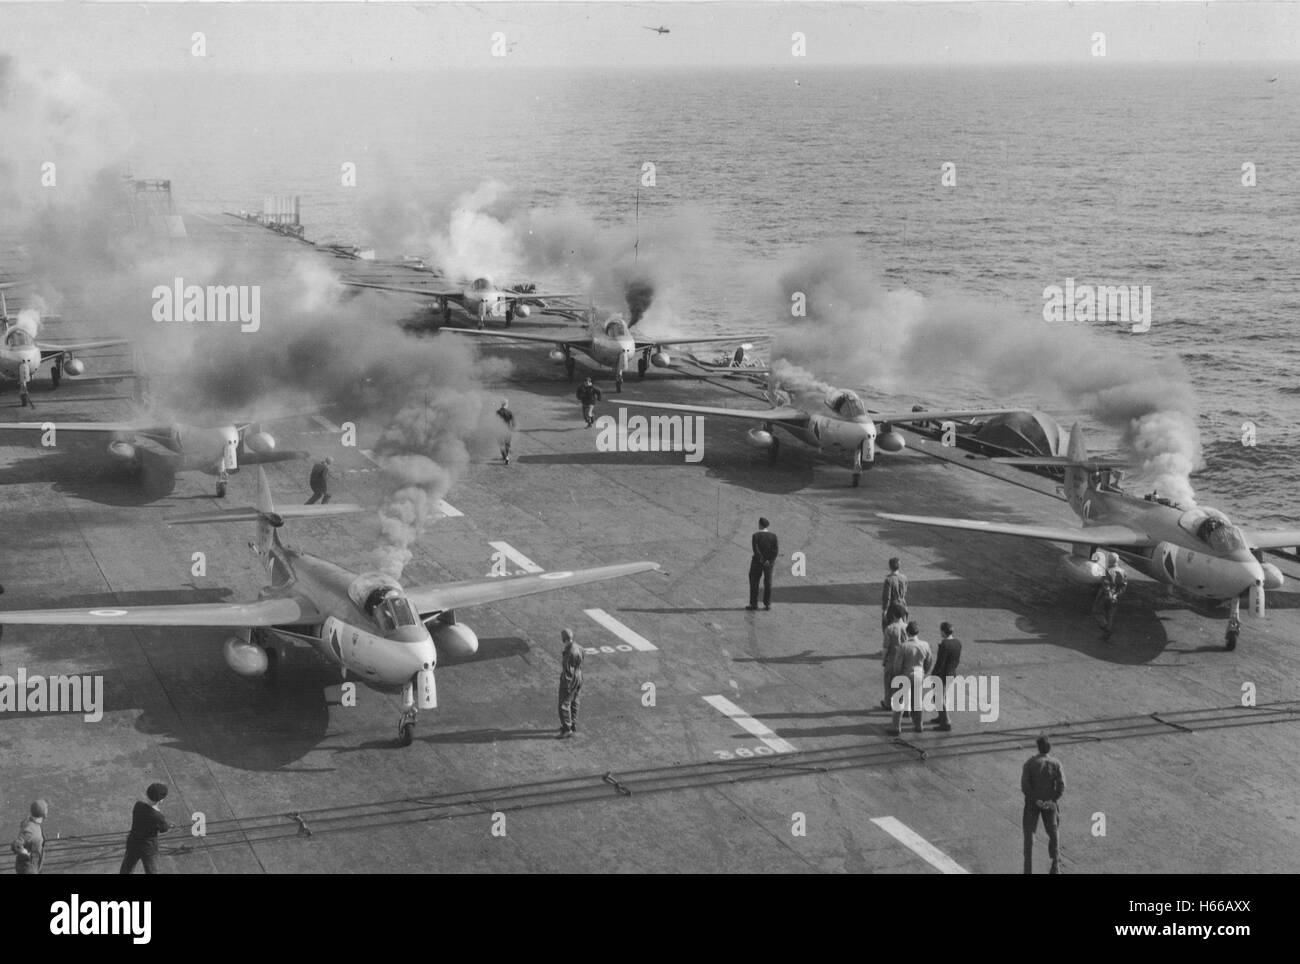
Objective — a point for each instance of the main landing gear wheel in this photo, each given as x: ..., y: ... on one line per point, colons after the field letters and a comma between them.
x: 774, y: 450
x: 221, y: 490
x: 56, y: 375
x: 1230, y: 637
x: 569, y: 365
x: 406, y: 727
x: 642, y: 364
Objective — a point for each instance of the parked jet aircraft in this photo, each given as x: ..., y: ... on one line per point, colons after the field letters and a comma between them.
x: 480, y: 298
x: 365, y: 623
x: 1197, y: 549
x: 611, y: 344
x: 832, y: 419
x: 22, y: 354
x: 216, y: 450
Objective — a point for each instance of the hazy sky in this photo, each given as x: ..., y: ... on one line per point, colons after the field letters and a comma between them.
x: 299, y: 37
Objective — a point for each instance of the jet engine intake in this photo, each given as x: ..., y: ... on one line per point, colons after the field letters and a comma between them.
x: 247, y: 659
x: 557, y: 355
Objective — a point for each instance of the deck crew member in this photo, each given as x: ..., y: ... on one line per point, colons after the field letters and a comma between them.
x: 570, y: 683
x: 147, y: 822
x: 1042, y: 781
x: 765, y: 551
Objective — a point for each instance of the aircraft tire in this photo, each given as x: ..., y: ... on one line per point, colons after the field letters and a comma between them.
x: 221, y: 490
x: 1230, y: 640
x: 857, y: 479
x: 56, y: 375
x: 406, y: 734
x: 775, y: 450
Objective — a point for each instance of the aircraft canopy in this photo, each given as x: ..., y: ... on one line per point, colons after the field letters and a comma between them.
x: 380, y: 598
x: 845, y: 403
x: 480, y: 284
x: 616, y: 328
x: 18, y: 338
x: 1213, y: 528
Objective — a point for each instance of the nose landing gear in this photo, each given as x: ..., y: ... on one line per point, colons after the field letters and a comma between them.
x: 406, y: 722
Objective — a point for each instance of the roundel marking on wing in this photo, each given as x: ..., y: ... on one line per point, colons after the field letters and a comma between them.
x: 108, y: 612
x: 556, y: 575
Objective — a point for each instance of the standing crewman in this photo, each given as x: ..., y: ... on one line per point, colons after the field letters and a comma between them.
x: 588, y: 395
x: 147, y: 822
x: 945, y: 668
x: 29, y: 847
x: 482, y: 313
x: 893, y: 591
x: 911, y: 665
x: 1042, y: 781
x: 765, y: 552
x: 320, y: 481
x: 508, y: 431
x: 1113, y: 585
x: 570, y: 683
x: 24, y: 378
x: 895, y: 633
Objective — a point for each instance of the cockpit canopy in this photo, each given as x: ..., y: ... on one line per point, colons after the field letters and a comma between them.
x: 380, y: 598
x: 480, y: 284
x: 845, y: 404
x: 19, y: 338
x: 616, y: 328
x: 1213, y: 528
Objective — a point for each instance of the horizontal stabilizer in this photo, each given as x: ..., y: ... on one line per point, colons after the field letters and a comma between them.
x: 1062, y: 462
x: 248, y: 513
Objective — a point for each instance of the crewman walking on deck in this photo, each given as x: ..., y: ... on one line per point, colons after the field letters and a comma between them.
x: 588, y: 395
x: 1042, y: 781
x: 508, y: 429
x: 29, y: 846
x: 570, y: 683
x: 147, y: 822
x: 320, y: 481
x: 893, y: 591
x: 766, y: 549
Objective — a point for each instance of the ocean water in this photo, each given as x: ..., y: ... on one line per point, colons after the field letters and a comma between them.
x: 1121, y: 175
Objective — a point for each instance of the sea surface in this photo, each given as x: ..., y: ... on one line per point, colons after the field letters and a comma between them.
x: 1106, y: 175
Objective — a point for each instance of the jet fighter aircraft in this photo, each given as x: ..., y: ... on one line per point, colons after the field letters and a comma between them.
x: 1198, y: 549
x: 611, y: 344
x: 217, y: 450
x: 664, y: 30
x: 480, y: 298
x: 365, y: 623
x: 22, y: 354
x: 834, y: 419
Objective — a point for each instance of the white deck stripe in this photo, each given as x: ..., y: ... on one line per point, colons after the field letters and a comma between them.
x: 747, y: 722
x: 324, y: 422
x: 927, y: 851
x: 517, y: 557
x: 635, y: 640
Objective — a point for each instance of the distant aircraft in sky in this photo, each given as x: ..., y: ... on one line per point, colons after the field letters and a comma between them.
x: 659, y: 30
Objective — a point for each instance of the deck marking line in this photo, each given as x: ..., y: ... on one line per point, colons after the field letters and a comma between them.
x: 442, y: 505
x: 517, y: 557
x: 635, y: 640
x: 927, y: 851
x: 325, y: 423
x: 747, y: 722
